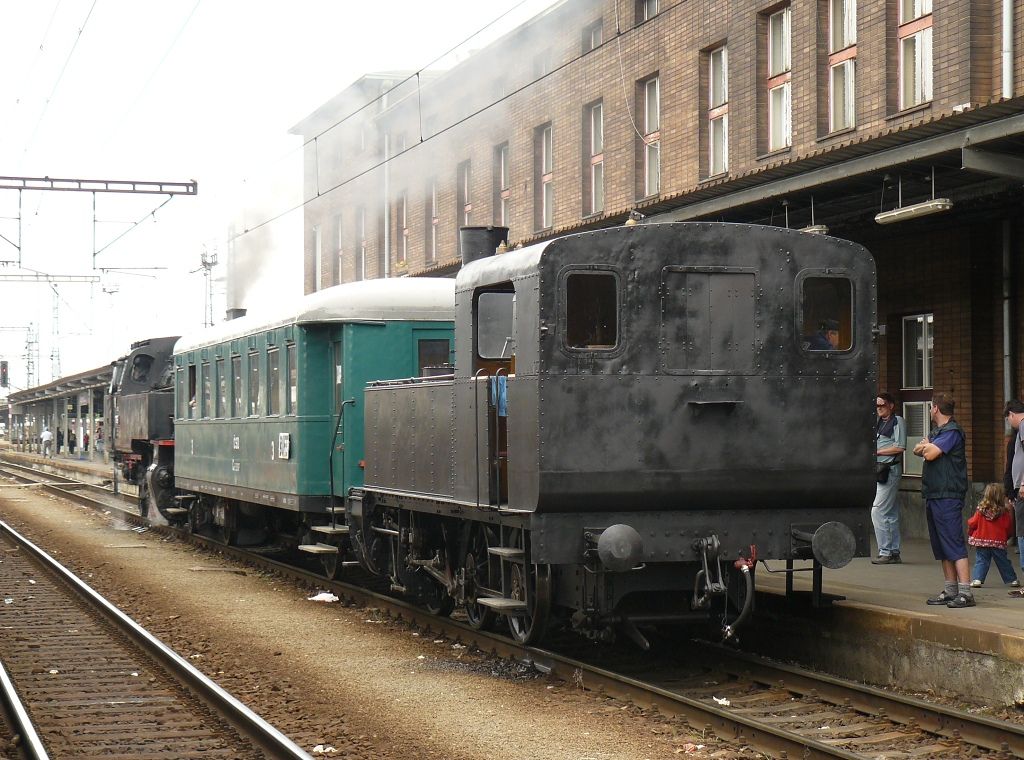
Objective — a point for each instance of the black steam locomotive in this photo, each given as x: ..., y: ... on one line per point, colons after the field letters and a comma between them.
x: 634, y: 418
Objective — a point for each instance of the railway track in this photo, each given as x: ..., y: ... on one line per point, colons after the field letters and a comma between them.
x: 98, y: 685
x: 779, y: 710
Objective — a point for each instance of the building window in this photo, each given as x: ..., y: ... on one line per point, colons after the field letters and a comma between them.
x: 593, y: 172
x: 646, y: 10
x: 918, y: 342
x: 291, y: 401
x: 464, y: 202
x: 652, y: 136
x: 402, y: 224
x: 237, y: 403
x: 502, y: 185
x: 430, y: 253
x: 542, y: 64
x: 593, y: 36
x: 718, y: 111
x: 273, y: 381
x: 779, y: 76
x: 318, y: 256
x: 545, y: 162
x: 222, y: 390
x: 361, y: 244
x: 255, y: 389
x: 842, y: 64
x: 915, y: 41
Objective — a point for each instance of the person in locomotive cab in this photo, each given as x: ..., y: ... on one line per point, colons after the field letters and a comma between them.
x: 827, y: 337
x: 890, y: 443
x: 944, y: 486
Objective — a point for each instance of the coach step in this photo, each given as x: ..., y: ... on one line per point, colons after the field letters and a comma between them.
x: 330, y: 530
x: 318, y: 548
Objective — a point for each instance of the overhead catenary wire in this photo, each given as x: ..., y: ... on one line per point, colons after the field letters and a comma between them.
x: 459, y: 122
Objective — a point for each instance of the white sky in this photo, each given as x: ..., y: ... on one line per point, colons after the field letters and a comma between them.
x: 175, y: 90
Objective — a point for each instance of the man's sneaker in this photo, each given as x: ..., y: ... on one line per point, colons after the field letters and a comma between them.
x: 977, y: 583
x: 887, y: 559
x: 942, y: 598
x: 960, y: 601
x: 1015, y: 583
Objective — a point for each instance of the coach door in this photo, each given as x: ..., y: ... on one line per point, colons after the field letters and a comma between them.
x: 337, y: 357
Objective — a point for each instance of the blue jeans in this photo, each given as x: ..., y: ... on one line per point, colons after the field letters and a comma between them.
x: 885, y: 514
x: 983, y: 556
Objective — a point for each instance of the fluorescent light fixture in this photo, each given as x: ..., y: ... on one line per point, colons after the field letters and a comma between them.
x: 816, y: 229
x: 903, y: 213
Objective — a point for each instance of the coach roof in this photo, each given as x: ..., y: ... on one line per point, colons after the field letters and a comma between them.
x: 415, y: 299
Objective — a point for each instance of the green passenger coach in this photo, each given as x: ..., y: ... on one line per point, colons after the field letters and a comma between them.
x: 269, y: 409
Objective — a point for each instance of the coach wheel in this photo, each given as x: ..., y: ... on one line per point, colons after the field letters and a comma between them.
x: 227, y: 532
x: 478, y: 576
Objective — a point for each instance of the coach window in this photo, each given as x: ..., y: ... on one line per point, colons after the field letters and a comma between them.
x: 273, y: 381
x: 591, y: 311
x: 255, y: 402
x: 432, y: 352
x: 182, y: 397
x: 494, y: 318
x: 291, y: 400
x: 236, y: 386
x: 221, y: 409
x: 207, y: 391
x: 192, y: 411
x: 826, y: 314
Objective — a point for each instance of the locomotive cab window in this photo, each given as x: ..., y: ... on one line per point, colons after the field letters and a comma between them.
x: 591, y: 311
x: 826, y: 314
x: 494, y: 311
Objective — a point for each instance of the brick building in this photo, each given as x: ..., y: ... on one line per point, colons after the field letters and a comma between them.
x: 800, y: 113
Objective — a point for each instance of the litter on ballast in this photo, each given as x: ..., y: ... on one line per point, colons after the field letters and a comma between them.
x: 323, y: 596
x: 723, y: 701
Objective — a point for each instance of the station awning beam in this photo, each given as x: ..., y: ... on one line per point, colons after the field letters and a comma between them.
x: 990, y: 162
x: 99, y: 185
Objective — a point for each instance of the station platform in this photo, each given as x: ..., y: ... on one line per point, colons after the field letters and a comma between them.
x: 95, y: 469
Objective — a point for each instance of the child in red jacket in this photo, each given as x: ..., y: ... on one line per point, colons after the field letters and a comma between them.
x: 988, y: 530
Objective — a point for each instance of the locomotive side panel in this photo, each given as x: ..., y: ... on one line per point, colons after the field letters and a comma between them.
x: 409, y: 437
x: 143, y: 417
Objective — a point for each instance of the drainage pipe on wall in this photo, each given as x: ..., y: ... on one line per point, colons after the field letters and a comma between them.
x: 1008, y: 379
x: 1007, y: 36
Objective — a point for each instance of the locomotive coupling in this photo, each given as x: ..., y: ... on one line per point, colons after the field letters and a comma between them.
x: 620, y: 548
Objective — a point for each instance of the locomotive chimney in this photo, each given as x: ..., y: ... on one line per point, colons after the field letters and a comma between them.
x: 480, y: 242
x: 235, y: 313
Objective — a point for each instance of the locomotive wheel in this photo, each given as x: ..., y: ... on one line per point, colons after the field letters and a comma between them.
x: 532, y: 584
x: 438, y: 601
x: 477, y: 575
x: 331, y: 564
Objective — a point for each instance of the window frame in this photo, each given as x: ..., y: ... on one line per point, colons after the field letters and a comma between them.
x: 927, y: 320
x: 206, y: 384
x: 842, y: 26
x: 799, y: 287
x: 918, y: 32
x: 499, y: 290
x: 502, y: 184
x: 544, y: 148
x: 238, y: 403
x: 220, y: 400
x: 718, y: 110
x: 652, y: 136
x: 273, y: 398
x: 595, y: 140
x: 255, y: 405
x: 402, y: 222
x: 563, y: 312
x: 291, y: 399
x: 464, y: 204
x: 849, y: 102
x: 914, y: 466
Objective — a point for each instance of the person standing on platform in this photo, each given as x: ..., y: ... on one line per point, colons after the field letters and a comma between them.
x: 944, y: 487
x: 60, y: 440
x: 46, y: 437
x: 99, y: 437
x: 890, y: 443
x: 71, y: 442
x: 1013, y: 475
x: 85, y: 441
x: 988, y: 530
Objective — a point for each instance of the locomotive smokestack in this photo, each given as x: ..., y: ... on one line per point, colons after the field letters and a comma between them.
x: 235, y: 313
x: 480, y: 242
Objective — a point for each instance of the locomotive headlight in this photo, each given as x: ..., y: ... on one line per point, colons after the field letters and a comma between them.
x: 620, y: 548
